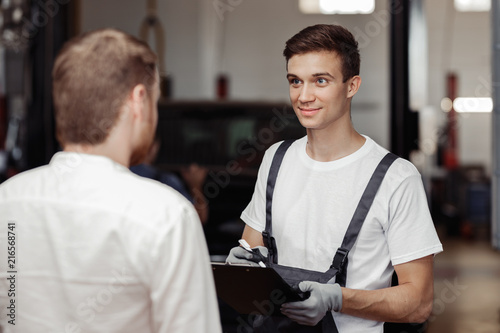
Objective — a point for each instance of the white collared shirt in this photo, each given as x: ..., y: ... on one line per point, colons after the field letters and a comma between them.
x: 99, y: 249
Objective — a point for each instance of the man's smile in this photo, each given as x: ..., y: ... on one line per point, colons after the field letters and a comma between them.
x: 308, y: 111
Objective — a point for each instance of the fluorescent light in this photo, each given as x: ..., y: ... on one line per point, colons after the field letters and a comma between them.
x: 337, y: 6
x: 346, y: 7
x: 473, y: 104
x: 328, y: 7
x: 473, y: 5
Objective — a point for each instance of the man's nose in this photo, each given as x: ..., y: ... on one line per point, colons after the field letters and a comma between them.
x: 306, y: 94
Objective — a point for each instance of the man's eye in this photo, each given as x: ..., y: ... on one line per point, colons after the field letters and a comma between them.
x: 294, y: 81
x: 322, y: 81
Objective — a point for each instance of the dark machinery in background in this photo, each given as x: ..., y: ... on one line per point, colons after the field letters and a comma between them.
x: 15, y: 49
x: 32, y: 33
x: 461, y: 198
x: 229, y: 139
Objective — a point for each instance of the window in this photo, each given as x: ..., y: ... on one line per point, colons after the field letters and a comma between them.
x: 337, y: 6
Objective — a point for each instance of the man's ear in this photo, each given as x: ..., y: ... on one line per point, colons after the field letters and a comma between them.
x: 353, y: 85
x: 137, y: 99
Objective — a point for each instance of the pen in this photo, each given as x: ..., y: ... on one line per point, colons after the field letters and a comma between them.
x: 247, y: 247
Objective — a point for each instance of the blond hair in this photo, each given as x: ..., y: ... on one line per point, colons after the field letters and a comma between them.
x: 92, y: 77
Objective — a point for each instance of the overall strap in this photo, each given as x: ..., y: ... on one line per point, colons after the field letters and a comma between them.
x: 340, y: 260
x: 269, y: 241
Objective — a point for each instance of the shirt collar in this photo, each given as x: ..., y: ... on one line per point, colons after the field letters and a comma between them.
x: 74, y: 160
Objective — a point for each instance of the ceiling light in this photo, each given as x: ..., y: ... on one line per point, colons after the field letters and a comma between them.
x: 337, y: 6
x: 473, y: 104
x: 472, y: 5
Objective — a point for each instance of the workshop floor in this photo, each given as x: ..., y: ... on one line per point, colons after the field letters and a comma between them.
x: 467, y: 288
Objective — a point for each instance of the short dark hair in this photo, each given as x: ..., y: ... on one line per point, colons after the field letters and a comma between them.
x: 92, y: 76
x: 329, y: 38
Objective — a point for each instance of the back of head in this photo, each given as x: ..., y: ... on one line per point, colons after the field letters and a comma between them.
x: 327, y: 38
x: 92, y: 77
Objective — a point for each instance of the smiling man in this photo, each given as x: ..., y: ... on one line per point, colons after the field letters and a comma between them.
x: 321, y: 181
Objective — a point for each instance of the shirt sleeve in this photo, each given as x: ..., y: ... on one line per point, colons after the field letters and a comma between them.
x: 182, y: 287
x: 411, y: 233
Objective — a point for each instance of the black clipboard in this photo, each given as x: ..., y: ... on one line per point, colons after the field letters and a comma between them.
x: 253, y: 290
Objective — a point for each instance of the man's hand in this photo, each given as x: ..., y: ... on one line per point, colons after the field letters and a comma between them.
x: 324, y: 298
x: 238, y: 255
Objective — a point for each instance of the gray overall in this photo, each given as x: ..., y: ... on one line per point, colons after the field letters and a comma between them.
x: 338, y: 268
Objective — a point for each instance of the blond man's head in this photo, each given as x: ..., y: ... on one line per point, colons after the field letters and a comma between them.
x: 92, y: 77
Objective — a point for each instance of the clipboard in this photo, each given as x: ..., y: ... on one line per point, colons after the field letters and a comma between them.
x: 253, y: 290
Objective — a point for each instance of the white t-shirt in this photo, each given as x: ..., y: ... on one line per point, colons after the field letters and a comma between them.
x: 314, y: 202
x: 99, y: 249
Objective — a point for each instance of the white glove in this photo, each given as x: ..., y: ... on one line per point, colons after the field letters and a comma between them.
x: 323, y: 298
x: 238, y: 255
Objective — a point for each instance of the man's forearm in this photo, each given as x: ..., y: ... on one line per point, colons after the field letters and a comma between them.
x: 403, y: 303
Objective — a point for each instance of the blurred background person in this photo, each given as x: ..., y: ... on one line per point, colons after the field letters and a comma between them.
x: 190, y: 185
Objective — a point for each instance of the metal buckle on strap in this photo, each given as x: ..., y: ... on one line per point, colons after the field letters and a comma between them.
x: 340, y: 259
x: 270, y: 243
x: 267, y: 238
